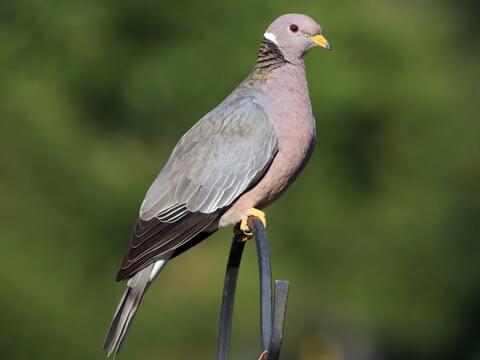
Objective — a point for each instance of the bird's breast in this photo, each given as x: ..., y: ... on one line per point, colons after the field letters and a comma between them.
x: 292, y: 117
x: 286, y: 101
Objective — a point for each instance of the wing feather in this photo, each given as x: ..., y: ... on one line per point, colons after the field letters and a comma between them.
x: 216, y: 161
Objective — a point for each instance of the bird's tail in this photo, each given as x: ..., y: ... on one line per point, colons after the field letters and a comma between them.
x: 131, y: 298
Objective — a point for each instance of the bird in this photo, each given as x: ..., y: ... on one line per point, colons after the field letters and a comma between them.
x: 231, y: 164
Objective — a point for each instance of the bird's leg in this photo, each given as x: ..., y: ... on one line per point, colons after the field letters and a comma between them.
x: 242, y: 230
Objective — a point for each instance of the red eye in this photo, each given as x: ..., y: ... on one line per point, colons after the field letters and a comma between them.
x: 293, y: 28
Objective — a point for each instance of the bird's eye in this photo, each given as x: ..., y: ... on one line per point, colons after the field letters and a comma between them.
x: 293, y: 28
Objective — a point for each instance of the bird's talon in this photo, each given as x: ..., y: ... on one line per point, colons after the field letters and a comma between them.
x: 244, y: 229
x: 258, y: 214
x: 246, y: 237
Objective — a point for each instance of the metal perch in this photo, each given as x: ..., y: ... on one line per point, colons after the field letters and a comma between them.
x: 272, y: 310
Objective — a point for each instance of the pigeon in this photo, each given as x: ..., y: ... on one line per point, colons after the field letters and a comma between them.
x: 235, y: 161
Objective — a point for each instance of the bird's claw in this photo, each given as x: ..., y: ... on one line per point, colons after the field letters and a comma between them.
x: 263, y: 356
x: 244, y: 230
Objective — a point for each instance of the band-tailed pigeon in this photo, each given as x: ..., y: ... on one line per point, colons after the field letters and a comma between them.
x: 236, y: 160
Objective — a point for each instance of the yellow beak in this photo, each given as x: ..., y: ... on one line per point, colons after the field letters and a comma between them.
x: 321, y: 41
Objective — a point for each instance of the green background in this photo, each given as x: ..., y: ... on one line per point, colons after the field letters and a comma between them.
x: 379, y: 236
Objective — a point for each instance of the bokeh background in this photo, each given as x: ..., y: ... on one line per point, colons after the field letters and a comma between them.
x: 379, y: 237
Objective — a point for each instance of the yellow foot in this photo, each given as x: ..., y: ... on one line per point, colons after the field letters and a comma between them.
x: 244, y: 229
x: 263, y: 356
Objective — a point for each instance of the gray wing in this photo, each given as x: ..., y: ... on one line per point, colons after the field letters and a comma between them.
x: 216, y: 161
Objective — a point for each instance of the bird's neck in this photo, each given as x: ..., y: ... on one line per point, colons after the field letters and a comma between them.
x: 270, y: 60
x: 269, y: 57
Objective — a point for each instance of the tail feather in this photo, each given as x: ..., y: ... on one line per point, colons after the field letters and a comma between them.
x: 128, y: 306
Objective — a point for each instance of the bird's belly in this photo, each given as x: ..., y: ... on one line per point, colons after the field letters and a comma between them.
x: 284, y: 169
x: 292, y: 156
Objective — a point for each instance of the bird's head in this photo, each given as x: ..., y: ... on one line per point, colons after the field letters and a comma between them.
x: 295, y: 35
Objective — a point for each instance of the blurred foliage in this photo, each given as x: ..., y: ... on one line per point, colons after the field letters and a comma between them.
x: 379, y: 236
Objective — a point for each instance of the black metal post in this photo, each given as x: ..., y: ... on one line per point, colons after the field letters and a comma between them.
x: 228, y: 300
x: 272, y: 311
x: 265, y: 273
x: 281, y: 296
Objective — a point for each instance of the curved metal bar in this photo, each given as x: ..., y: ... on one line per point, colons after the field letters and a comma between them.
x: 265, y: 273
x: 272, y: 311
x: 228, y: 299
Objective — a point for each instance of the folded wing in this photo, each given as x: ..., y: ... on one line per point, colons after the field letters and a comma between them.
x: 216, y: 161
